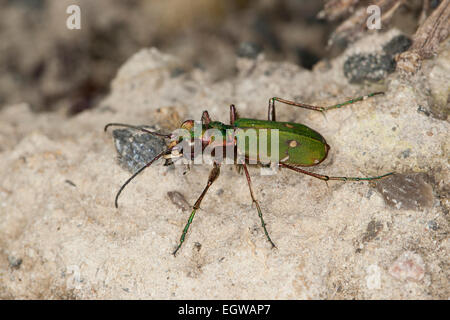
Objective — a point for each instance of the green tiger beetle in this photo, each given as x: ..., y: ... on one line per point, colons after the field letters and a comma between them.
x: 299, y: 145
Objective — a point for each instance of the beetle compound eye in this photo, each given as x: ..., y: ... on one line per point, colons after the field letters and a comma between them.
x: 188, y: 124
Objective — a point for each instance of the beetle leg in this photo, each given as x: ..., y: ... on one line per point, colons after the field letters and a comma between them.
x: 271, y: 112
x: 257, y: 204
x: 326, y: 178
x: 212, y: 177
x: 206, y: 119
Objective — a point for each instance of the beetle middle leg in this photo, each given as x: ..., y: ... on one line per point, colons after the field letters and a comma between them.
x: 212, y: 177
x: 271, y: 109
x: 244, y: 166
x: 327, y: 178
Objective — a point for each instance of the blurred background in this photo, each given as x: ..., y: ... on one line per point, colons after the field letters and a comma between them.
x: 67, y: 71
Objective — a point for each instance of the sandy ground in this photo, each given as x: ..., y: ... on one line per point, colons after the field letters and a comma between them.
x: 61, y: 237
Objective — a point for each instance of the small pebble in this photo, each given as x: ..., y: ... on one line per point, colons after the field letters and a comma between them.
x: 368, y: 67
x: 421, y: 109
x: 14, y: 262
x: 373, y: 229
x: 406, y: 191
x: 397, y: 44
x: 432, y: 225
x: 198, y: 246
x: 406, y: 153
x: 409, y: 266
x: 70, y: 183
x: 178, y: 200
x: 136, y: 149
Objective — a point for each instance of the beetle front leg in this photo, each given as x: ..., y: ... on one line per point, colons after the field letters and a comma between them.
x: 212, y: 177
x: 257, y: 204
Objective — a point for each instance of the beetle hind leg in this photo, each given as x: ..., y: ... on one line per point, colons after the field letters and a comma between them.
x: 271, y: 109
x: 327, y: 178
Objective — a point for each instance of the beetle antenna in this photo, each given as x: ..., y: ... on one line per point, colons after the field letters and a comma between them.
x: 138, y: 172
x: 168, y: 136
